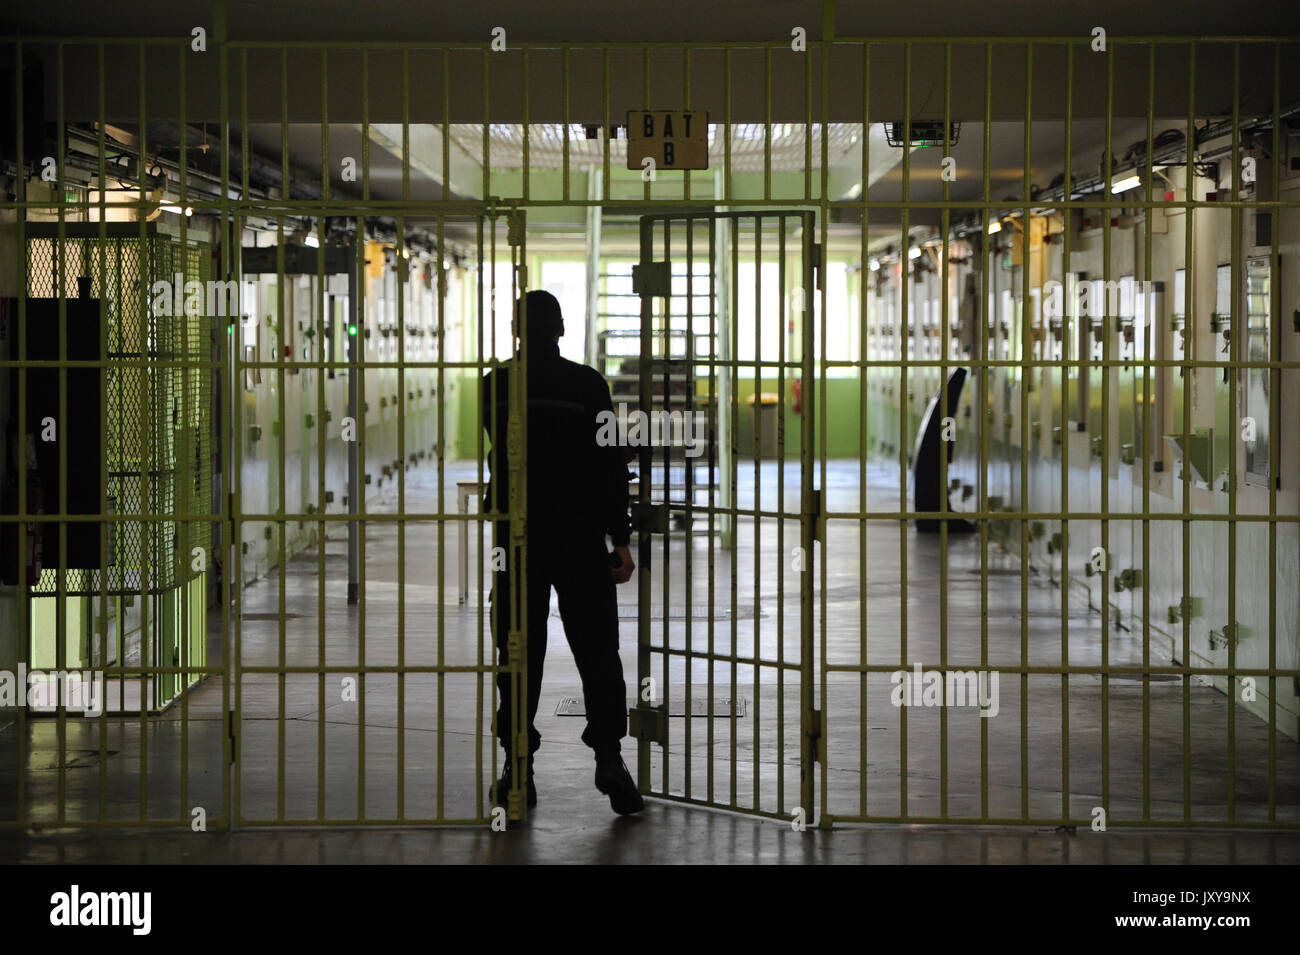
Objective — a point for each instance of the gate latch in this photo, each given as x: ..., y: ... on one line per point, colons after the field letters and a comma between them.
x: 652, y: 278
x: 232, y: 735
x: 514, y: 228
x: 650, y: 518
x: 815, y: 743
x: 648, y: 723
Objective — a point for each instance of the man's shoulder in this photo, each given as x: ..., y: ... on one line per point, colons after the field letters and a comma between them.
x: 583, y: 373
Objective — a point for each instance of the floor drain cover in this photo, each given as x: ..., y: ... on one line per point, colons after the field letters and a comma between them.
x: 572, y: 706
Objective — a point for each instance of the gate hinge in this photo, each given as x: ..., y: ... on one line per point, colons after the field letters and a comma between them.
x: 820, y: 282
x: 815, y: 515
x: 650, y: 518
x: 652, y: 278
x: 648, y: 723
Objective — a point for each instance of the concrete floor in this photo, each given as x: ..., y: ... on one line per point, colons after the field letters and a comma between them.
x: 285, y: 716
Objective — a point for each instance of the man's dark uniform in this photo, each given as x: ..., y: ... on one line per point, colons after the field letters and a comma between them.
x: 577, y: 495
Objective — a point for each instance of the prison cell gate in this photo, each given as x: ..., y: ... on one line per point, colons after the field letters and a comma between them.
x: 803, y: 719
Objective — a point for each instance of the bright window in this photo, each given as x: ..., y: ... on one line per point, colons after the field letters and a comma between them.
x: 761, y: 320
x: 567, y: 281
x: 498, y: 331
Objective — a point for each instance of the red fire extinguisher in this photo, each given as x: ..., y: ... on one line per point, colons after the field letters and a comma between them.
x: 796, y: 390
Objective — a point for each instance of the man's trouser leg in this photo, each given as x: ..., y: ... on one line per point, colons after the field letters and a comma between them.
x: 537, y: 609
x: 589, y: 608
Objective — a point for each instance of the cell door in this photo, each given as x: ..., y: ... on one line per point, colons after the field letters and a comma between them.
x: 716, y: 417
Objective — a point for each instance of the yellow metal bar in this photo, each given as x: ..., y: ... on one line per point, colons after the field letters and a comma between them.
x: 1274, y: 431
x: 943, y: 457
x: 758, y: 503
x: 780, y: 523
x: 149, y: 499
x: 1070, y: 337
x: 985, y: 416
x: 282, y: 320
x: 864, y: 436
x: 61, y: 585
x: 809, y: 524
x: 811, y: 654
x: 102, y: 250
x: 904, y: 413
x: 1108, y: 332
x: 401, y: 474
x: 1189, y: 336
x: 1147, y: 351
x: 1238, y: 327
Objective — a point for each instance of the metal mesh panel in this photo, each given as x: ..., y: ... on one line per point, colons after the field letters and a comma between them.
x: 153, y: 391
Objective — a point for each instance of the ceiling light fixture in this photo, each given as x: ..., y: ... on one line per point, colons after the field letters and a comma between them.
x: 1125, y: 184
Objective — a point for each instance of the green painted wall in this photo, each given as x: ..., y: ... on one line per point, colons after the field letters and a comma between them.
x: 842, y: 416
x: 463, y: 392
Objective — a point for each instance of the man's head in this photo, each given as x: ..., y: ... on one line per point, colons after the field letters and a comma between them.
x: 545, y: 323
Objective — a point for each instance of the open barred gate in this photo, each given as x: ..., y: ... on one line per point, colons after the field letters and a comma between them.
x: 783, y: 667
x: 700, y: 641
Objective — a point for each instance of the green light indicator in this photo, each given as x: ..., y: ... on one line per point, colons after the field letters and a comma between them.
x: 352, y: 330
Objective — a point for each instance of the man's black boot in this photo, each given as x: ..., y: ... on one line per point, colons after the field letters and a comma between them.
x: 501, y: 790
x: 613, y: 779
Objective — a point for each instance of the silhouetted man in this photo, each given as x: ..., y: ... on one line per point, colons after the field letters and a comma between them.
x: 576, y: 497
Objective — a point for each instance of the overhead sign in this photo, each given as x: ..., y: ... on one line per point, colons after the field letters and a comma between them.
x: 671, y: 139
